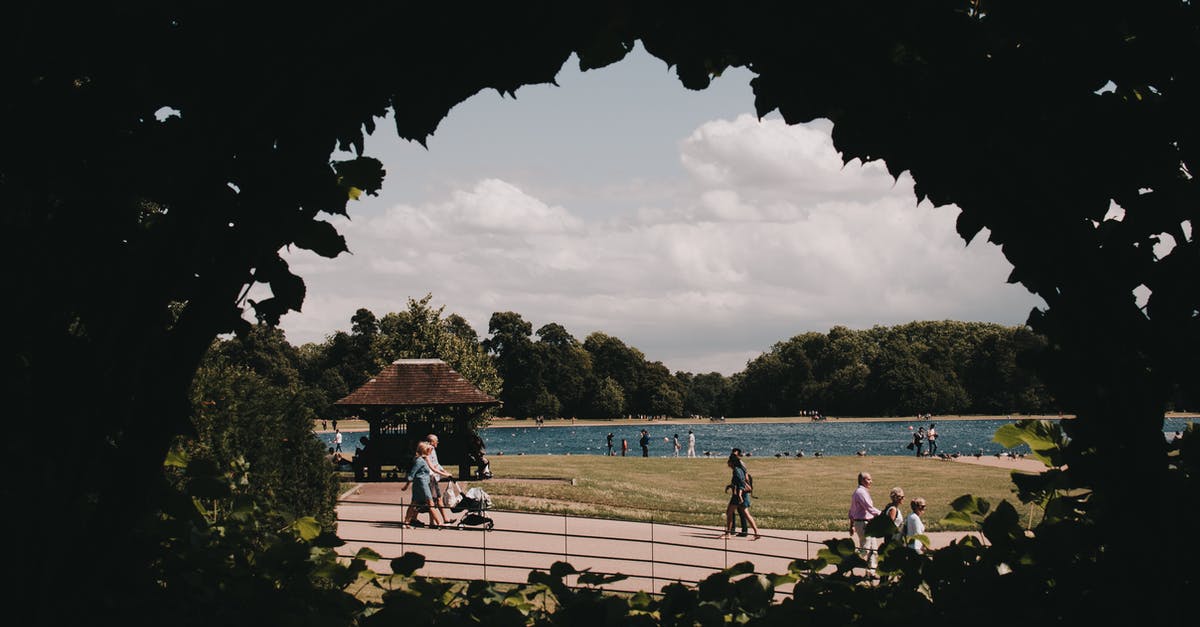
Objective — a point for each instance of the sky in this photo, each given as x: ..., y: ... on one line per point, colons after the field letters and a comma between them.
x: 675, y: 220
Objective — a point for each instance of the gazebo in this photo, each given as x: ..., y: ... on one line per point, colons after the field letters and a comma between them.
x: 408, y: 400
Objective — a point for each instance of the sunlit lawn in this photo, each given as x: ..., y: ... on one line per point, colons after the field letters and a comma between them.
x: 789, y: 493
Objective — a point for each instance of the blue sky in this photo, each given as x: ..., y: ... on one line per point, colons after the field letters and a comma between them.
x: 621, y: 202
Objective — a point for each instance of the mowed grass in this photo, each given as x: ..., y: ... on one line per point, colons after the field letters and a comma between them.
x: 789, y: 493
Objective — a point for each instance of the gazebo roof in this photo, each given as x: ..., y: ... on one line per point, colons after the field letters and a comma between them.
x: 417, y: 383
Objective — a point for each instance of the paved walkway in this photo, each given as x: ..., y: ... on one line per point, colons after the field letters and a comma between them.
x: 652, y: 555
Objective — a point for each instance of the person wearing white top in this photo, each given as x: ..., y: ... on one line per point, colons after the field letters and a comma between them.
x: 435, y: 472
x: 914, y: 526
x: 691, y: 444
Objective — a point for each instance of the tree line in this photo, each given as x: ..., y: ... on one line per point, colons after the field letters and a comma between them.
x: 939, y: 367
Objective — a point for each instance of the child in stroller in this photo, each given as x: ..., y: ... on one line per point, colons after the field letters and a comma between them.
x: 470, y: 507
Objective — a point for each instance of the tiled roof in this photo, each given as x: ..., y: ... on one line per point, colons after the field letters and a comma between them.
x: 416, y: 383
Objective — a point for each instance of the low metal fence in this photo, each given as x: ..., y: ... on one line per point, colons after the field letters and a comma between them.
x: 650, y: 554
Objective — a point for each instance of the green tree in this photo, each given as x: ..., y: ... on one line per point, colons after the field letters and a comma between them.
x: 613, y: 359
x: 510, y: 345
x: 567, y: 367
x: 250, y: 407
x: 705, y: 394
x: 421, y: 332
x: 606, y: 399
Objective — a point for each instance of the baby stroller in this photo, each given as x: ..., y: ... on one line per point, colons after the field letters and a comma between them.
x: 472, y: 506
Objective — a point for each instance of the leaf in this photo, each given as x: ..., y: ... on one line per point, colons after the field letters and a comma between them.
x: 641, y: 600
x: 598, y: 579
x: 881, y: 527
x: 363, y: 173
x: 740, y: 568
x: 968, y: 225
x: 1045, y: 439
x: 176, y: 458
x: 307, y: 527
x: 328, y: 540
x: 1003, y: 525
x: 602, y: 51
x: 971, y: 505
x: 559, y: 570
x: 408, y: 563
x: 368, y: 554
x: 956, y: 519
x: 320, y: 237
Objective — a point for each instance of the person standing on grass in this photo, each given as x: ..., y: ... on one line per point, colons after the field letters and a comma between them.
x: 610, y: 450
x: 739, y: 500
x: 337, y: 440
x: 624, y: 446
x: 645, y: 442
x: 862, y: 509
x: 691, y: 444
x: 676, y: 445
x: 932, y: 436
x: 919, y: 440
x: 914, y: 526
x: 422, y: 496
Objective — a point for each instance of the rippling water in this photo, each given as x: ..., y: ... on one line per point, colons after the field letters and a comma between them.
x: 965, y: 437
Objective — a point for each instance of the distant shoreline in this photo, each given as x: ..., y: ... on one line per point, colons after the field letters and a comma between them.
x: 567, y: 422
x: 504, y: 423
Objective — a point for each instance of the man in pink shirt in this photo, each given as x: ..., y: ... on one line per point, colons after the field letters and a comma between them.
x: 863, y: 509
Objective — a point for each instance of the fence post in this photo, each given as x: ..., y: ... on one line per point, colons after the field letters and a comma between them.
x: 651, y: 551
x: 485, y: 535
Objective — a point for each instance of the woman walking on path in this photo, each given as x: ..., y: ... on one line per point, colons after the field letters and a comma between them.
x: 739, y: 501
x: 422, y: 496
x: 914, y: 526
x: 892, y: 511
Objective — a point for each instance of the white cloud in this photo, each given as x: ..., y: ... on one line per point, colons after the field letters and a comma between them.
x: 770, y: 236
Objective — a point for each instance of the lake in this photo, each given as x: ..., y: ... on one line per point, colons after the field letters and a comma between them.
x: 965, y: 437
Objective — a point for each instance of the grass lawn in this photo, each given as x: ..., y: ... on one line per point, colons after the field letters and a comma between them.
x: 789, y: 493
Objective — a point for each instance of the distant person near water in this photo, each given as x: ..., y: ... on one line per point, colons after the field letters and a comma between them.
x: 624, y: 446
x: 691, y: 444
x: 932, y: 437
x: 337, y: 440
x: 610, y: 449
x: 676, y: 445
x: 862, y: 509
x: 645, y: 442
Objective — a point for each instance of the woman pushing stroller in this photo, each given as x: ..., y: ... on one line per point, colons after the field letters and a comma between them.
x: 422, y: 495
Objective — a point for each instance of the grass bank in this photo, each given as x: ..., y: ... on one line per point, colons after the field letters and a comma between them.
x: 789, y: 493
